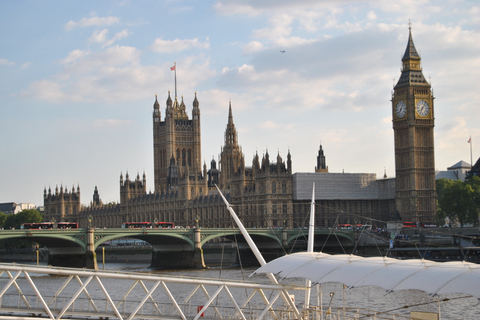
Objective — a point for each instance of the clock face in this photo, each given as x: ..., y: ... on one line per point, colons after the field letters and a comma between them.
x: 423, y: 108
x: 400, y: 109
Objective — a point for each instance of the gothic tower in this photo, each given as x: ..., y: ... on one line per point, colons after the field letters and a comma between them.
x: 176, y: 142
x: 413, y: 122
x: 321, y: 161
x: 231, y: 157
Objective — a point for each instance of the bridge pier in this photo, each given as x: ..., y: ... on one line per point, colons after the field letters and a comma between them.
x: 75, y: 257
x: 179, y: 256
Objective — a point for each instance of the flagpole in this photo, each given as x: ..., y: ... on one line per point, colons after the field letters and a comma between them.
x: 175, y: 66
x: 471, y: 159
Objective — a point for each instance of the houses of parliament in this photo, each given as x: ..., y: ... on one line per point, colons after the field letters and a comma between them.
x: 266, y: 193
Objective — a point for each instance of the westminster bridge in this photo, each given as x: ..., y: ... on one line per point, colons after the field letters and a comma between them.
x: 174, y: 248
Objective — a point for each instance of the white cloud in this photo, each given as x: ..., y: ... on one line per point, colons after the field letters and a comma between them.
x: 74, y: 56
x: 46, y: 90
x: 114, y: 75
x: 232, y: 8
x: 164, y: 46
x: 6, y: 62
x: 270, y: 125
x: 98, y: 36
x: 26, y: 65
x: 253, y: 46
x: 106, y: 123
x: 93, y: 21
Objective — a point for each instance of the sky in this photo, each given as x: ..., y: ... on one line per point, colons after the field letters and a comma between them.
x: 78, y: 81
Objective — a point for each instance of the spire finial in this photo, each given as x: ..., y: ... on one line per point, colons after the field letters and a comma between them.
x: 409, y: 24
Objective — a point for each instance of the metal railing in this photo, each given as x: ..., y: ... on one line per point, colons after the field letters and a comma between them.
x: 40, y: 292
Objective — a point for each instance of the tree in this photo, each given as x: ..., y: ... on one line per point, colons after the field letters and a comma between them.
x: 458, y: 200
x: 15, y: 221
x: 25, y: 216
x: 3, y: 217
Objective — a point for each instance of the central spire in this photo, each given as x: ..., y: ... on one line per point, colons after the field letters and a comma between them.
x: 411, y: 66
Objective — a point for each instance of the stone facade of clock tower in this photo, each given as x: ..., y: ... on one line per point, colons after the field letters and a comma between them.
x: 413, y: 122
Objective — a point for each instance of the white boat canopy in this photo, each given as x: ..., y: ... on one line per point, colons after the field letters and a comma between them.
x: 387, y: 273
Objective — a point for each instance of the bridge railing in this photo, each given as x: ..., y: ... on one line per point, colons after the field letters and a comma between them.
x: 38, y: 292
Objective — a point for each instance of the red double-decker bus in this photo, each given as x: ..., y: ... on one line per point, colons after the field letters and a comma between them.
x: 166, y: 225
x: 37, y: 225
x: 147, y: 224
x: 49, y: 225
x: 67, y: 225
x: 136, y: 225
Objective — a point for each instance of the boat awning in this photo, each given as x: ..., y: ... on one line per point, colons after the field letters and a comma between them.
x: 387, y: 273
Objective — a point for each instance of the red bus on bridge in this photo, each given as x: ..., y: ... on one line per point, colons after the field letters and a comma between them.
x: 49, y: 225
x: 147, y: 224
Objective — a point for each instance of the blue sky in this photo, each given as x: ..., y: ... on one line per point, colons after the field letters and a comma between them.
x: 78, y: 81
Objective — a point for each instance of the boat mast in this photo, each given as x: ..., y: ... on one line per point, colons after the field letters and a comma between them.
x: 258, y: 255
x: 311, y: 238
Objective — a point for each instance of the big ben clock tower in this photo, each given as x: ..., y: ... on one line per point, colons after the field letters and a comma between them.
x: 413, y: 122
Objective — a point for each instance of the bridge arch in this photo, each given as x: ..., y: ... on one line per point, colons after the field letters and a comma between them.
x: 49, y: 240
x: 153, y: 237
x: 256, y: 234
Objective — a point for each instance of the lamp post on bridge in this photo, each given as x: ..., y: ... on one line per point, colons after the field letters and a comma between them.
x: 90, y: 255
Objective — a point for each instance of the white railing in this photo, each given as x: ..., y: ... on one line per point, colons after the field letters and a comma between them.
x: 49, y: 292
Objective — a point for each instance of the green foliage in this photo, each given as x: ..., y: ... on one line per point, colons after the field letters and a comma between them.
x: 16, y: 220
x: 458, y: 201
x: 3, y: 217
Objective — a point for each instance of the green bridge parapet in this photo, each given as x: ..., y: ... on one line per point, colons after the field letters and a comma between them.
x: 172, y: 248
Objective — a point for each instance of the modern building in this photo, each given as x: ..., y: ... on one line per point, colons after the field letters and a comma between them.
x: 458, y: 171
x: 10, y: 208
x: 14, y: 208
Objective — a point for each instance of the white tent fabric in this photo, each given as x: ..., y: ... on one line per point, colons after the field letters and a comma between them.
x: 388, y: 273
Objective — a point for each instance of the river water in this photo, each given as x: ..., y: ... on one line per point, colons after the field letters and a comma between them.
x: 402, y: 302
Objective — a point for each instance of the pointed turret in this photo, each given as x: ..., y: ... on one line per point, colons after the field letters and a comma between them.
x: 156, y: 111
x: 411, y: 51
x: 289, y: 162
x: 195, y: 101
x: 231, y: 131
x: 196, y: 110
x: 411, y: 66
x: 321, y: 161
x: 169, y: 100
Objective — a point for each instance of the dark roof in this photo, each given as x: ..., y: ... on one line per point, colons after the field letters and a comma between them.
x: 411, y: 51
x: 475, y: 170
x: 7, y: 207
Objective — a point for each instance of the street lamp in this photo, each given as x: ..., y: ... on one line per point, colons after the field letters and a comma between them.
x: 90, y: 218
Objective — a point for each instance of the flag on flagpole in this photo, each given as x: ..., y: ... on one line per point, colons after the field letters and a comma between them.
x: 470, y: 140
x: 173, y: 68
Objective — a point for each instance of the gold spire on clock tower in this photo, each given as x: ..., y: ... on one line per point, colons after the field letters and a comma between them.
x: 413, y: 122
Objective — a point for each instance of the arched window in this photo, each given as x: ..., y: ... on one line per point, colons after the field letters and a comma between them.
x: 274, y: 187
